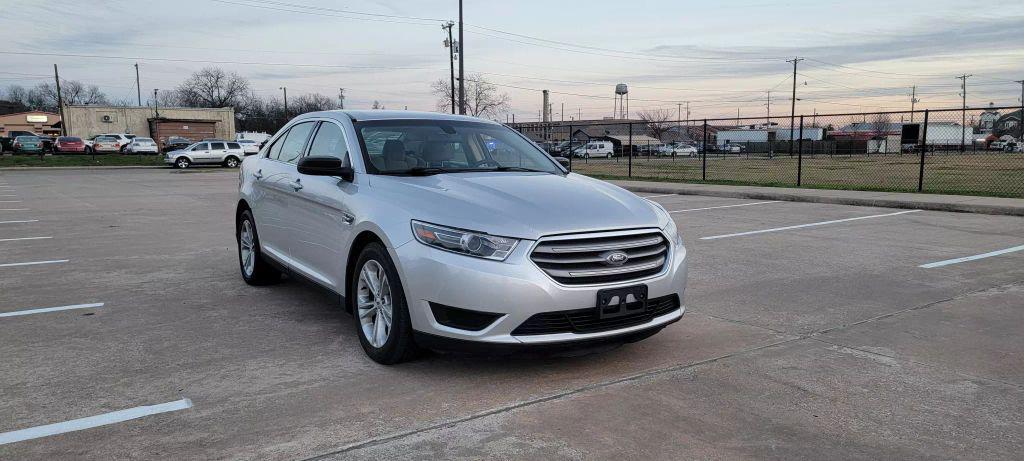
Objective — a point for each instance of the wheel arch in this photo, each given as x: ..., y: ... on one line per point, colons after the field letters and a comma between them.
x: 361, y: 240
x: 242, y: 207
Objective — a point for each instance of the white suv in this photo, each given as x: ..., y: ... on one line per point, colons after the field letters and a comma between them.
x: 226, y: 153
x: 443, y: 231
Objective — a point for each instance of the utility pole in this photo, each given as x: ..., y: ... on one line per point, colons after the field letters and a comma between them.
x: 285, y: 89
x: 138, y: 89
x: 579, y: 113
x: 768, y: 119
x: 60, y: 103
x: 913, y: 100
x: 963, y: 111
x: 462, y: 66
x: 792, y: 112
x: 341, y: 98
x: 451, y: 59
x: 562, y: 113
x: 156, y: 104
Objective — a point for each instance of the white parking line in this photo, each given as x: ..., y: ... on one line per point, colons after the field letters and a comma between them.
x: 13, y: 209
x: 972, y: 258
x: 656, y: 196
x: 42, y: 310
x: 9, y: 195
x: 24, y: 238
x: 93, y: 421
x: 20, y: 221
x: 723, y: 206
x: 10, y: 201
x: 800, y: 226
x: 33, y: 263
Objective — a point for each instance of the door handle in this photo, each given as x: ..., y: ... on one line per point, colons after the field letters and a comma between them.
x: 347, y: 218
x: 296, y: 184
x: 258, y: 174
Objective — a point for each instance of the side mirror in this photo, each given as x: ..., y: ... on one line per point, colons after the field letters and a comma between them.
x: 563, y: 161
x: 325, y: 166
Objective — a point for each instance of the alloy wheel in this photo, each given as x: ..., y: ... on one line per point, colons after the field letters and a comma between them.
x: 374, y: 303
x: 247, y: 248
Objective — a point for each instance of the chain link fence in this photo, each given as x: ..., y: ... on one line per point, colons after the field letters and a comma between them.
x: 954, y: 151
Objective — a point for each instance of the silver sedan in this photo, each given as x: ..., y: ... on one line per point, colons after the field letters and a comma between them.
x: 451, y: 232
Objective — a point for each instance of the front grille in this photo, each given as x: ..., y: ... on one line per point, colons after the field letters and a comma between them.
x: 582, y: 260
x: 587, y: 320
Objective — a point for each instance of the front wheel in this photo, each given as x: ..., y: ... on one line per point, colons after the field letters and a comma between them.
x: 378, y: 302
x: 255, y: 269
x: 182, y: 163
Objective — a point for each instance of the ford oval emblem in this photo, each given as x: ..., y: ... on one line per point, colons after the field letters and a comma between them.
x: 615, y: 258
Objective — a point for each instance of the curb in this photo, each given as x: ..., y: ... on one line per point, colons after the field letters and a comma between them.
x: 83, y: 167
x: 1009, y: 210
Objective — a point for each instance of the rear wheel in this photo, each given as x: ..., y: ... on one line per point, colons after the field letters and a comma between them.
x: 255, y: 269
x: 231, y: 162
x: 609, y: 155
x: 382, y: 315
x: 182, y: 163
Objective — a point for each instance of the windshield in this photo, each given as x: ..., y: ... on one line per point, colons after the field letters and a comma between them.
x: 143, y: 140
x: 445, y: 146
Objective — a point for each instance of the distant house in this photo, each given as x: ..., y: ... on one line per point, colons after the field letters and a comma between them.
x: 1008, y: 124
x: 987, y: 119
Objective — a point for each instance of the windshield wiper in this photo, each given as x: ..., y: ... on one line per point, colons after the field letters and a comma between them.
x: 423, y: 171
x: 519, y: 168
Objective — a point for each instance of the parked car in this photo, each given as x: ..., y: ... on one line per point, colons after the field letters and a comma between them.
x: 106, y: 145
x: 675, y: 149
x: 998, y: 144
x: 27, y: 144
x: 123, y: 139
x: 7, y: 142
x: 595, y: 149
x: 432, y: 243
x: 249, y: 146
x: 228, y: 154
x: 561, y: 147
x: 732, y: 148
x: 68, y: 144
x: 1013, y: 146
x: 141, y: 145
x: 176, y: 143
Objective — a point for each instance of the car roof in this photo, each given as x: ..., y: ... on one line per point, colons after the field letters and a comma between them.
x: 361, y: 115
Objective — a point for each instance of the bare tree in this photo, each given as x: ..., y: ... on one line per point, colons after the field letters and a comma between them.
x: 73, y: 93
x: 311, y: 102
x: 16, y: 94
x: 880, y: 125
x: 482, y: 97
x: 212, y: 87
x: 657, y: 121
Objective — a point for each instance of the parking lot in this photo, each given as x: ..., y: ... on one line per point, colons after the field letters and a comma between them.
x: 812, y: 331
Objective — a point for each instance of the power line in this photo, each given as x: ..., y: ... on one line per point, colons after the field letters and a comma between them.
x: 203, y: 61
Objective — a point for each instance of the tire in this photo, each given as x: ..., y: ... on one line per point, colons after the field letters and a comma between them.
x: 586, y: 156
x: 395, y: 344
x: 254, y: 267
x: 182, y: 162
x: 609, y: 155
x: 231, y: 162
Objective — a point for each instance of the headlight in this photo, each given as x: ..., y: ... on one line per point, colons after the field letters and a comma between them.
x: 464, y: 242
x: 673, y: 233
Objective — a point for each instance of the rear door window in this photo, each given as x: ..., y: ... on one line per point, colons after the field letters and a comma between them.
x: 217, y: 146
x: 234, y: 145
x: 295, y: 142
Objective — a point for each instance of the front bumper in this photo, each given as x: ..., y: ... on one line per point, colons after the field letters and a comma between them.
x: 517, y: 289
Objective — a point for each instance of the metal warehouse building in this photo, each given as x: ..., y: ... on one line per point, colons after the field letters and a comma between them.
x: 187, y: 122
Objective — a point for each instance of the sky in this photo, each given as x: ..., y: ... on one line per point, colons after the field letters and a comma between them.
x: 721, y: 57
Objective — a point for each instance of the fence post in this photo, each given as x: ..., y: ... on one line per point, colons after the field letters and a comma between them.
x: 571, y: 138
x: 630, y: 150
x: 704, y: 156
x: 924, y: 148
x: 800, y: 154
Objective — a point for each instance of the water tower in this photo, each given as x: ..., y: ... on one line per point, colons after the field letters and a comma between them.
x: 621, y: 101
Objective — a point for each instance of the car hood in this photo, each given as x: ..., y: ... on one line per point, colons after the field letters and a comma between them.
x: 522, y: 205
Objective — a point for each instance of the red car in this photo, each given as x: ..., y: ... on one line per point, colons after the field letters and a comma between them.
x: 67, y: 144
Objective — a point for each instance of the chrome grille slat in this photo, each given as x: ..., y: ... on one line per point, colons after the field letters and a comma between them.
x: 554, y: 247
x: 582, y: 260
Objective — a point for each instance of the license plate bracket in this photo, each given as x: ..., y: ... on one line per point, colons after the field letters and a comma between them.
x: 617, y: 302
